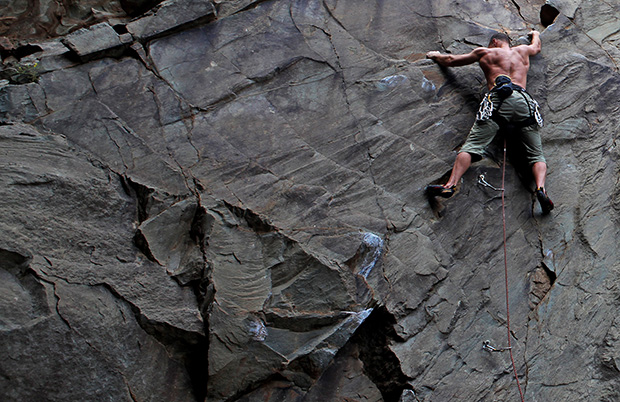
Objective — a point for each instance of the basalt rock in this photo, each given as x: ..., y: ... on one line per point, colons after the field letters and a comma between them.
x: 224, y: 201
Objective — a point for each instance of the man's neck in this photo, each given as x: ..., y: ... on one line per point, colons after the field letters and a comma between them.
x: 499, y: 44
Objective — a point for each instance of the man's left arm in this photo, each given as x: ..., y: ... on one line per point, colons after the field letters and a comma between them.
x: 535, y: 45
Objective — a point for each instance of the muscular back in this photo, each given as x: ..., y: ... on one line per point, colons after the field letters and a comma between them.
x: 513, y: 62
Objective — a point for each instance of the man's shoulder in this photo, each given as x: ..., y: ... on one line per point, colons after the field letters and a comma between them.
x: 482, y: 52
x: 526, y: 50
x: 521, y: 48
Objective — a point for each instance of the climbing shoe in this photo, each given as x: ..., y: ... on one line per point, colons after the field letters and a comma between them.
x: 545, y: 202
x: 436, y: 190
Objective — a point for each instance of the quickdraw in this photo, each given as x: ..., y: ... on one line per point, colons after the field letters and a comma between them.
x: 486, y: 345
x: 482, y: 181
x: 486, y: 108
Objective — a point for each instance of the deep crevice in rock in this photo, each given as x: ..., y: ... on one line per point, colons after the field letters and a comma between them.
x: 552, y: 276
x: 117, y: 52
x: 380, y: 363
x: 20, y: 52
x: 548, y: 14
x: 253, y: 220
x: 200, y: 226
x: 250, y: 6
x: 518, y: 9
x: 204, y: 290
x: 120, y: 29
x: 304, y: 323
x: 141, y: 193
x: 196, y: 363
x: 541, y: 282
x: 13, y: 261
x: 135, y: 8
x: 140, y: 241
x: 179, y: 28
x: 188, y: 348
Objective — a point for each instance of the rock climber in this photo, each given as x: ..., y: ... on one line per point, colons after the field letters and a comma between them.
x: 506, y: 104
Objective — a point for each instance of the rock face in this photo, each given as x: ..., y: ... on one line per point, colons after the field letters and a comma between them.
x: 30, y: 19
x: 223, y: 201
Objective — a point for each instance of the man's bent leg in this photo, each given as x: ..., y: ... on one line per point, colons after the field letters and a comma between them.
x: 539, y: 170
x: 480, y: 135
x: 534, y: 154
x: 461, y: 164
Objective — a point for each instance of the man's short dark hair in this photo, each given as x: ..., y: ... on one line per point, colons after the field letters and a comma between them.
x: 500, y: 36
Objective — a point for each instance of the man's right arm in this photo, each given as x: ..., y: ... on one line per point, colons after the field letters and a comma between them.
x: 455, y: 60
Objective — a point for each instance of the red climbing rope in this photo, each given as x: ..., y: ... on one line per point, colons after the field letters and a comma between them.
x: 514, y: 368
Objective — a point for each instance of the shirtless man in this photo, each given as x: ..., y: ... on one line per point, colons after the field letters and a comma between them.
x: 507, y: 103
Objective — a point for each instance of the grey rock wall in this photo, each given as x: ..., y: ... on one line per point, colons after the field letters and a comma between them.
x: 33, y: 19
x: 224, y: 201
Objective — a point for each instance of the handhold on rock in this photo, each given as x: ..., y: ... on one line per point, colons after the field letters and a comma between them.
x: 545, y: 202
x: 436, y: 190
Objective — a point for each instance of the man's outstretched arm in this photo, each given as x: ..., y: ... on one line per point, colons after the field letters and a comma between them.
x: 455, y: 60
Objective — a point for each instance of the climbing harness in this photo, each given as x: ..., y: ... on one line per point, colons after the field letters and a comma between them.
x: 503, y: 88
x: 486, y: 345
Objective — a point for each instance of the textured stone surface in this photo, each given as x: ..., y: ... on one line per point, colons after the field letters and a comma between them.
x: 77, y: 301
x: 234, y: 209
x: 28, y: 19
x: 168, y: 15
x: 94, y: 39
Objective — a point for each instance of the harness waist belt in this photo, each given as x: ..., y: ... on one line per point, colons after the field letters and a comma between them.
x: 502, y: 122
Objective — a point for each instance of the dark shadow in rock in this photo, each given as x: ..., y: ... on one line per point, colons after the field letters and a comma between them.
x: 381, y: 365
x: 134, y: 8
x: 254, y: 221
x: 120, y: 29
x: 140, y: 241
x: 20, y: 52
x: 13, y: 261
x: 436, y: 203
x: 197, y: 365
x: 470, y: 95
x: 141, y: 193
x: 541, y: 281
x: 548, y: 14
x: 550, y: 274
x: 191, y: 349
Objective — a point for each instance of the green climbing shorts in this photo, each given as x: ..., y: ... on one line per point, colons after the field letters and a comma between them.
x: 515, y: 108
